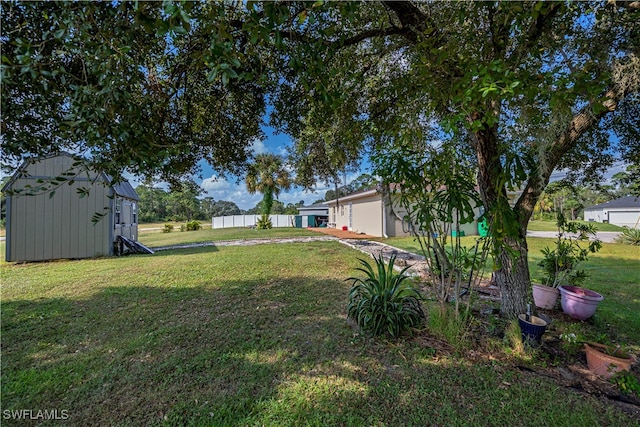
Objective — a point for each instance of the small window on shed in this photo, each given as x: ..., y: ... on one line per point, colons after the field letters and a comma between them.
x: 118, y: 211
x: 135, y: 213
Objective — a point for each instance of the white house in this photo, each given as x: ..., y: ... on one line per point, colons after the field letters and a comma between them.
x: 622, y: 212
x: 373, y: 213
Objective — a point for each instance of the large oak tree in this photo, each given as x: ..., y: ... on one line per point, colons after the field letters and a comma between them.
x: 530, y: 87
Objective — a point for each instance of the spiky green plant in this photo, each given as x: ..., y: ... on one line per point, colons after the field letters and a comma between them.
x: 629, y: 236
x: 384, y: 302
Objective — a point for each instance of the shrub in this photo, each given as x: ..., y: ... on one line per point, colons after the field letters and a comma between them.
x: 629, y: 236
x: 384, y: 302
x: 168, y: 228
x: 193, y: 225
x: 264, y: 223
x: 571, y: 248
x: 627, y: 383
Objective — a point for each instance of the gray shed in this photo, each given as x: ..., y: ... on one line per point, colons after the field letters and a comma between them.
x: 58, y: 208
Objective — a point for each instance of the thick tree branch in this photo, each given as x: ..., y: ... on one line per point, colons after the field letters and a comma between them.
x: 413, y: 20
x: 580, y: 123
x: 633, y: 5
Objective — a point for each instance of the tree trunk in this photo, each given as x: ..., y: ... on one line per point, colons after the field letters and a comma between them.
x: 513, y: 277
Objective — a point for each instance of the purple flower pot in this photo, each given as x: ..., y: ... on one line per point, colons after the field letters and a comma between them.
x: 579, y: 303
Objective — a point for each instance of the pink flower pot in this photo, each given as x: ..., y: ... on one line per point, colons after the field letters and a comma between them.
x: 579, y: 303
x: 545, y: 296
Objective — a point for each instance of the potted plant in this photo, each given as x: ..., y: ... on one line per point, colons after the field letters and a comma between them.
x: 532, y: 327
x: 559, y: 263
x: 605, y: 360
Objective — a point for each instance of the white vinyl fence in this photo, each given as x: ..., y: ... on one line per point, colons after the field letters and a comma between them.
x: 251, y: 220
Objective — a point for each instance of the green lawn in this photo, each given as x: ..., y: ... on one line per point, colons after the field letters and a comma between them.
x: 176, y: 237
x: 244, y: 336
x: 614, y: 272
x: 542, y: 225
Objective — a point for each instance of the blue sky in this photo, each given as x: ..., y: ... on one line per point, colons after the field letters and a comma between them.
x: 223, y: 189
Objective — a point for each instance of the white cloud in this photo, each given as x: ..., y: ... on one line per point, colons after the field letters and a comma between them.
x: 215, y: 183
x: 221, y: 189
x: 258, y: 147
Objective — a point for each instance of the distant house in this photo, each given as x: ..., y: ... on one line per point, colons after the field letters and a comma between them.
x: 367, y: 212
x: 57, y: 208
x: 622, y: 212
x: 370, y: 212
x: 316, y: 215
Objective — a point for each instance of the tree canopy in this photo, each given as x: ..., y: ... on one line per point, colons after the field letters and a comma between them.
x: 529, y: 87
x: 130, y: 85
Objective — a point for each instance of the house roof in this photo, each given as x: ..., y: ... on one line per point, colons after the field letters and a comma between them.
x: 623, y: 202
x: 358, y: 194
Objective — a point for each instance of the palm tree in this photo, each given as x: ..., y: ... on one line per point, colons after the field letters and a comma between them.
x: 268, y: 176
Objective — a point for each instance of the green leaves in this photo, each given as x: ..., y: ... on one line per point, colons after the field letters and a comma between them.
x: 572, y: 246
x: 383, y: 302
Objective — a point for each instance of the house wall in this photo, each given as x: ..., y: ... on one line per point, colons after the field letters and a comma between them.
x: 594, y: 215
x: 360, y: 215
x: 57, y: 225
x: 366, y: 215
x: 397, y: 227
x: 625, y: 217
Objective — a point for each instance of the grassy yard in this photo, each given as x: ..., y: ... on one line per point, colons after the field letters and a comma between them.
x: 246, y: 336
x: 176, y: 237
x: 543, y: 225
x: 614, y: 272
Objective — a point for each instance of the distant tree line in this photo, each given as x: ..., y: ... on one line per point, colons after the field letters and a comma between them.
x: 361, y: 183
x: 184, y: 204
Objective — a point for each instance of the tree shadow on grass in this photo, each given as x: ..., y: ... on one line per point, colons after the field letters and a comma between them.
x: 275, y: 352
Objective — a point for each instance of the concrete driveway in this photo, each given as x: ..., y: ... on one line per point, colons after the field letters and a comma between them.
x: 604, y: 236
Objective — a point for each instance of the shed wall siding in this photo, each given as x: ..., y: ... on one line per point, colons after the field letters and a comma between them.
x: 50, y: 226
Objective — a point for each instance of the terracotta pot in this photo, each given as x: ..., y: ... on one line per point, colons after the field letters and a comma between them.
x: 601, y: 363
x: 579, y: 303
x: 532, y: 329
x: 544, y: 296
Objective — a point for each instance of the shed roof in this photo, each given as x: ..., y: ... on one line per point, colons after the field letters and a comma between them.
x: 121, y: 188
x: 623, y: 202
x: 124, y: 189
x: 314, y: 207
